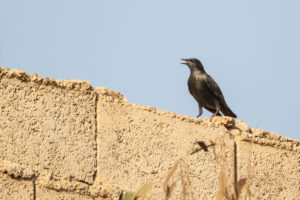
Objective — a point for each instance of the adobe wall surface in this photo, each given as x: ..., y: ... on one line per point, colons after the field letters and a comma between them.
x: 68, y: 140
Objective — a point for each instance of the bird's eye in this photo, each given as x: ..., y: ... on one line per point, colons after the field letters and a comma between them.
x: 191, y: 60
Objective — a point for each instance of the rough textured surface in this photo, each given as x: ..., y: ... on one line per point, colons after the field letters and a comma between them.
x: 48, y: 125
x: 140, y: 144
x: 270, y: 163
x: 13, y: 188
x: 270, y: 172
x: 49, y: 194
x: 67, y: 140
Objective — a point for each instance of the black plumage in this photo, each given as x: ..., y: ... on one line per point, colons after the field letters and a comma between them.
x: 205, y: 90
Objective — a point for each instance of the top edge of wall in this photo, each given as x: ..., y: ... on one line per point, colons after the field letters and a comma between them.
x: 236, y: 128
x: 83, y: 86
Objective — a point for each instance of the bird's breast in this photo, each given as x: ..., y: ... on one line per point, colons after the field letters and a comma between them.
x: 198, y: 89
x: 197, y: 80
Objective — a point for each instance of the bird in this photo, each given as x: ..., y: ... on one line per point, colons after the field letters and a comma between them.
x: 205, y: 90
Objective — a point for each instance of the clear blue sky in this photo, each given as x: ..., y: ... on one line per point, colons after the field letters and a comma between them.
x: 251, y: 48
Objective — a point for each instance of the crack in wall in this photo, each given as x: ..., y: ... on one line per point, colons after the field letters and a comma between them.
x: 84, y: 182
x: 32, y: 179
x: 235, y: 163
x: 34, y: 186
x: 96, y: 135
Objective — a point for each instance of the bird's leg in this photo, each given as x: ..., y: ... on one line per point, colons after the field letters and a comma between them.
x: 200, y: 110
x: 217, y: 109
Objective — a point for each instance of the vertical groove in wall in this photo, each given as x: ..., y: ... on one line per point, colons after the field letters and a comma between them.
x: 235, y: 162
x: 96, y: 134
x: 34, y: 187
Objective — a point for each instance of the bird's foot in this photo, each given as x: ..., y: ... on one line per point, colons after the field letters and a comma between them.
x: 198, y: 115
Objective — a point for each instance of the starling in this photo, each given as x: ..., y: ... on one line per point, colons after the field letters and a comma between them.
x: 205, y: 90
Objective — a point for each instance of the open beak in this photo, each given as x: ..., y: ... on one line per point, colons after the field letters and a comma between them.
x: 186, y: 60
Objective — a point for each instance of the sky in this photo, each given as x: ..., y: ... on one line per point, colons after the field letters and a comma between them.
x: 251, y: 48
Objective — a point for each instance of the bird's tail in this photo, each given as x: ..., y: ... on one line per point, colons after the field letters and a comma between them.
x: 228, y: 112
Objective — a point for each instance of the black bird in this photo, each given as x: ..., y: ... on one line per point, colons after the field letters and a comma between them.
x: 205, y: 90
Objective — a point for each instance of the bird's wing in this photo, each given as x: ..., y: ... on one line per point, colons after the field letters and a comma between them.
x: 214, y: 89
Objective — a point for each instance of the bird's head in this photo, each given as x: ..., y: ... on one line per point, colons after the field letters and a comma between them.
x: 193, y: 64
